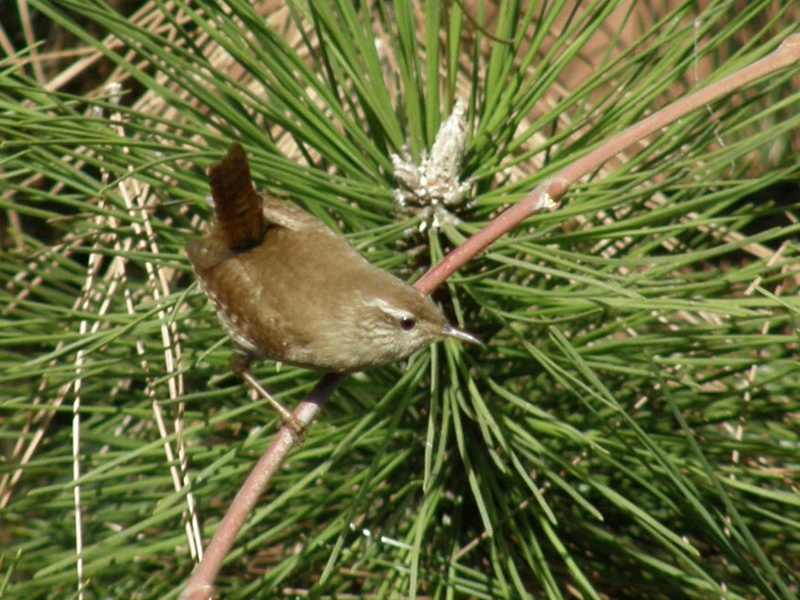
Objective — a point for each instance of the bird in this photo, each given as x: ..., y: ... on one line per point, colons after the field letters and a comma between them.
x: 288, y: 288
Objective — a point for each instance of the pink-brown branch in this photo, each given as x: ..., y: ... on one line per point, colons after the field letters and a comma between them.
x: 200, y: 585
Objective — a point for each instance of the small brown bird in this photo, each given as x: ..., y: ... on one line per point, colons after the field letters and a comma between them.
x: 288, y: 288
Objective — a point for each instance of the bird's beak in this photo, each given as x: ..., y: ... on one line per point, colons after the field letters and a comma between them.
x: 457, y: 334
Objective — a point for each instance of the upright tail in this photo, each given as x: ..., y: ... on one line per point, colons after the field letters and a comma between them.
x: 238, y: 208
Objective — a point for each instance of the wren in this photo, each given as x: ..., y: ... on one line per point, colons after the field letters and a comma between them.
x: 288, y: 288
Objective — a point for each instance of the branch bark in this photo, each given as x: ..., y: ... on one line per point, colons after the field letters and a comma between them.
x: 546, y: 195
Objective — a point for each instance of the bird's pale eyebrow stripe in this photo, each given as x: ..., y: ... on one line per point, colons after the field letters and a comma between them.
x: 387, y: 307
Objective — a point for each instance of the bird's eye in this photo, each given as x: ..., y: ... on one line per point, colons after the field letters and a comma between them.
x: 407, y: 323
